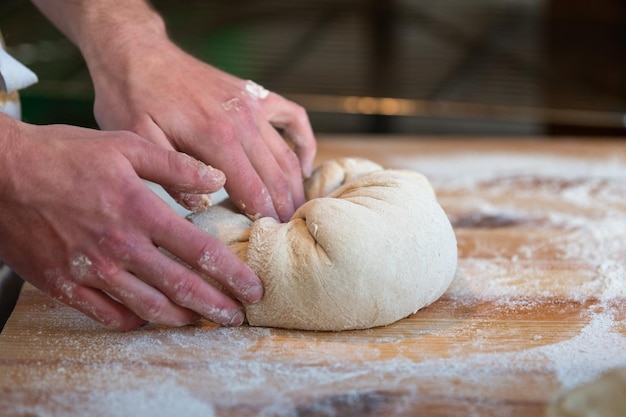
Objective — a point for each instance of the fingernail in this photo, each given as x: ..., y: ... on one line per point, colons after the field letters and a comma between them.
x: 253, y: 294
x: 207, y: 172
x: 196, y: 202
x: 236, y: 320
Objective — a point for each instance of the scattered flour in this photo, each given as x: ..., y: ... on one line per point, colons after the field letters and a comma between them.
x: 207, y: 370
x: 584, y: 203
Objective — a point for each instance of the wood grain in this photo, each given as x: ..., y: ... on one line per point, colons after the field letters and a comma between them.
x: 537, y: 306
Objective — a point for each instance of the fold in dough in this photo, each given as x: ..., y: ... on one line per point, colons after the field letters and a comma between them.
x: 369, y: 247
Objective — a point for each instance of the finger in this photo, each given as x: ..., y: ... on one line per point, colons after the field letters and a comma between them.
x: 207, y: 254
x: 150, y: 130
x: 108, y: 276
x: 279, y: 168
x: 173, y: 170
x: 176, y: 290
x: 177, y: 282
x: 186, y: 288
x: 99, y: 306
x: 273, y: 180
x: 268, y: 173
x: 192, y: 202
x: 146, y: 301
x: 180, y: 288
x: 294, y: 121
x: 248, y: 192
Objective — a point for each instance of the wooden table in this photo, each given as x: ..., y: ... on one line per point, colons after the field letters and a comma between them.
x: 537, y: 306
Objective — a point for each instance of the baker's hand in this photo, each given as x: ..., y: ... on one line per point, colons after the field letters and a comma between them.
x: 153, y: 88
x: 77, y: 221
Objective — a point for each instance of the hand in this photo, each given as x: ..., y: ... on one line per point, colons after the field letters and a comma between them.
x: 77, y: 221
x: 153, y: 88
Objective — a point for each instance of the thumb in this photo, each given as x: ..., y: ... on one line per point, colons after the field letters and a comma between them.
x: 177, y: 172
x: 191, y: 202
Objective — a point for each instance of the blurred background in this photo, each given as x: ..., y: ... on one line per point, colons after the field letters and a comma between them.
x: 480, y: 67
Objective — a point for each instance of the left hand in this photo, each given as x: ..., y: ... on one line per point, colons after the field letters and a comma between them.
x: 153, y: 88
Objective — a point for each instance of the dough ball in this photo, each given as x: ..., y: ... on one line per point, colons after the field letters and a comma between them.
x: 605, y: 397
x: 369, y: 247
x: 332, y: 174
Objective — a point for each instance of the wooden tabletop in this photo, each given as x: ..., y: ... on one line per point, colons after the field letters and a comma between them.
x: 537, y: 306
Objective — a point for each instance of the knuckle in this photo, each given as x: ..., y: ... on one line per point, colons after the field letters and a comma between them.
x: 225, y: 130
x: 67, y: 291
x: 106, y: 269
x: 247, y: 107
x: 61, y: 289
x: 58, y: 286
x: 119, y: 321
x: 282, y: 188
x: 209, y: 260
x: 154, y: 309
x: 297, y: 115
x: 117, y: 318
x: 119, y: 245
x: 246, y: 113
x: 186, y: 290
x: 226, y: 133
x: 113, y: 320
x: 300, y: 113
x: 290, y: 159
x: 96, y: 273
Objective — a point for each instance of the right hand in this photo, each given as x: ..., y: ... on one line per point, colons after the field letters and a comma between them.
x: 264, y: 173
x: 77, y: 221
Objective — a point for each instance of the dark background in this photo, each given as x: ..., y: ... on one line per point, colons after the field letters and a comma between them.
x: 480, y: 67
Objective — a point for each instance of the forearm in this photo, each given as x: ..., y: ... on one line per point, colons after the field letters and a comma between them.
x: 100, y: 28
x: 9, y: 152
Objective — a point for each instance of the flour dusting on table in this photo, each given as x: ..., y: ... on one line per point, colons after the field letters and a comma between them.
x: 582, y: 205
x: 576, y: 212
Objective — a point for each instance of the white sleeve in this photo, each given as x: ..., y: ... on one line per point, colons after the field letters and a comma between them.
x: 13, y: 75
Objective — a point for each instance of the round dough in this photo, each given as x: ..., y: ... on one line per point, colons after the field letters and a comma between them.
x: 369, y: 247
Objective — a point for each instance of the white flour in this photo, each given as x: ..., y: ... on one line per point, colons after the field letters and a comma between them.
x: 583, y: 202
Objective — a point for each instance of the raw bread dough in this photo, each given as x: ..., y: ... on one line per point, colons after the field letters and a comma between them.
x: 605, y: 397
x: 369, y: 247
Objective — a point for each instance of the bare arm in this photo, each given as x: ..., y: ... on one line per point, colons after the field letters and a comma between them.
x: 89, y: 23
